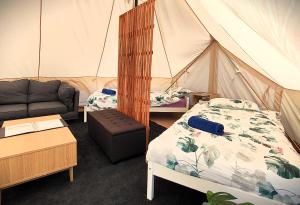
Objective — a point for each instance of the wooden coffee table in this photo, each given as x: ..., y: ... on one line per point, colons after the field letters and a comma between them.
x: 30, y: 156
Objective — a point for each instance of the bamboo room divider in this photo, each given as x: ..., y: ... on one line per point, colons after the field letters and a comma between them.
x: 135, y: 59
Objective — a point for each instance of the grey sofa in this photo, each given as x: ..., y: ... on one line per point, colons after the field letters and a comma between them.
x: 31, y: 98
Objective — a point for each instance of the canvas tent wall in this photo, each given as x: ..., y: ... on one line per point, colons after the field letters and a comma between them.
x: 78, y: 40
x: 252, y: 47
x: 269, y: 46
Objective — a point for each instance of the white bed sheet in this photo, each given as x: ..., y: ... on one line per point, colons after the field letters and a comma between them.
x: 254, y: 155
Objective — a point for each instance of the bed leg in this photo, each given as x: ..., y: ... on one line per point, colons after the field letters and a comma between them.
x: 84, y: 114
x: 187, y: 106
x: 150, y: 182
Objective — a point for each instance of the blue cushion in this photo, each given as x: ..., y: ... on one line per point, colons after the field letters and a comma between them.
x: 206, y: 125
x: 108, y: 91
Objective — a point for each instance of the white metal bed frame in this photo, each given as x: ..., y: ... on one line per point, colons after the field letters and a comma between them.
x: 202, y: 185
x: 152, y: 109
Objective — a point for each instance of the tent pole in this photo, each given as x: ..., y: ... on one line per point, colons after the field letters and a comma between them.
x: 163, y: 44
x: 40, y: 38
x: 187, y: 67
x: 104, y: 44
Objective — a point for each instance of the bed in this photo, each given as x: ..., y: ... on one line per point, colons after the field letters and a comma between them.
x: 253, y: 160
x: 175, y: 100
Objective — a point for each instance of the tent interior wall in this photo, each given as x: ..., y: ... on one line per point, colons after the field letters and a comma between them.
x: 255, y: 58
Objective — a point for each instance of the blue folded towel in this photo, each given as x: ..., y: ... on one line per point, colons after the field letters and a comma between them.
x: 206, y: 125
x: 108, y: 91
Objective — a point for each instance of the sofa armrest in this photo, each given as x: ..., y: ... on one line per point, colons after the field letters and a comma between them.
x: 76, y: 100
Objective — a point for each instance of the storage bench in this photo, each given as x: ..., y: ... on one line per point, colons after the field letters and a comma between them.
x: 118, y: 135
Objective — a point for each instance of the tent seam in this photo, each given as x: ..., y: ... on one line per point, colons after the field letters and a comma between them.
x: 40, y: 38
x: 104, y: 44
x: 231, y: 55
x: 268, y: 76
x: 189, y: 65
x: 163, y: 44
x: 198, y: 18
x: 247, y: 83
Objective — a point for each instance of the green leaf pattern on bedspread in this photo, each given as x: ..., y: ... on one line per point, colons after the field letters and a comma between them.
x: 252, y: 148
x: 187, y: 144
x: 282, y: 167
x: 100, y: 101
x: 208, y: 153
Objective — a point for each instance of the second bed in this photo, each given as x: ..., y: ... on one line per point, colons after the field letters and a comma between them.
x: 253, y: 159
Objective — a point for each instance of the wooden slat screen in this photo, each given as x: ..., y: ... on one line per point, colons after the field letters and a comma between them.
x: 134, y: 63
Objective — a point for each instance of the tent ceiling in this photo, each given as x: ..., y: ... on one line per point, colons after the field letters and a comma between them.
x: 80, y: 38
x: 267, y: 58
x: 275, y: 21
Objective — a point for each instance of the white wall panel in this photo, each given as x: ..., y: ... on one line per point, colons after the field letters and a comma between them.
x: 276, y: 21
x: 197, y: 76
x: 184, y: 36
x: 221, y: 35
x: 270, y: 60
x: 73, y: 33
x: 160, y: 67
x: 19, y: 38
x: 109, y: 63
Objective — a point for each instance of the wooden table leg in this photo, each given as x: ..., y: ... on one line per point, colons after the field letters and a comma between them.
x: 71, y: 175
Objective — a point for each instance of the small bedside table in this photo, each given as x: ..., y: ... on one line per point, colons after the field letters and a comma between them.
x: 203, y: 96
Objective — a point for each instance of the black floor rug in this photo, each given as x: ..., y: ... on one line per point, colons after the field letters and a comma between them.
x: 97, y: 181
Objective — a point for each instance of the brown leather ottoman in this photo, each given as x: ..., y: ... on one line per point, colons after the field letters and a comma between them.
x: 119, y: 136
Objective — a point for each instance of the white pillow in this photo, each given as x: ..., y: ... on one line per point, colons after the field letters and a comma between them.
x: 112, y: 84
x: 233, y: 104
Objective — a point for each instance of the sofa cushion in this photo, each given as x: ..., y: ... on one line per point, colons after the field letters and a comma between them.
x: 46, y: 108
x: 66, y: 95
x: 14, y: 92
x: 14, y: 111
x: 43, y: 91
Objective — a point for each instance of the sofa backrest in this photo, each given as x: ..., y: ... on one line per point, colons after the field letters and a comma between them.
x: 14, y: 92
x: 43, y: 91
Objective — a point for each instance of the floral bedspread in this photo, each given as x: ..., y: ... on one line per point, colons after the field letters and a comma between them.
x: 100, y: 101
x: 254, y: 155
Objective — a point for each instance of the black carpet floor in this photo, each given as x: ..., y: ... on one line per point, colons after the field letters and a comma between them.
x: 97, y: 181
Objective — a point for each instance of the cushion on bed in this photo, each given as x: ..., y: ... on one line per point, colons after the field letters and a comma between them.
x: 206, y: 125
x: 108, y: 91
x: 233, y: 104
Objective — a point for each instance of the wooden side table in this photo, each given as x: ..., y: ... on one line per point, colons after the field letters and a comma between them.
x: 203, y: 96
